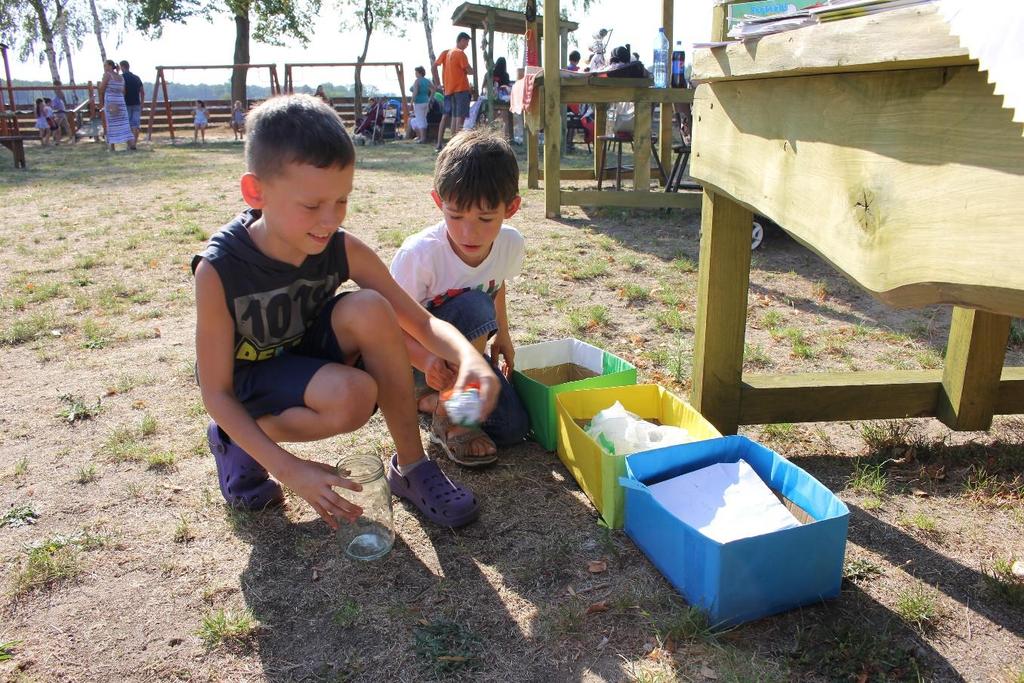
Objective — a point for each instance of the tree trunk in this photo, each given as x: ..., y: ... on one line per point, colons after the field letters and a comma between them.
x: 428, y: 28
x: 368, y: 26
x: 62, y: 25
x: 46, y: 32
x: 238, y: 76
x: 97, y: 28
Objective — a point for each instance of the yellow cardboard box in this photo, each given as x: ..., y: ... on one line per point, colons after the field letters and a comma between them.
x: 596, y: 471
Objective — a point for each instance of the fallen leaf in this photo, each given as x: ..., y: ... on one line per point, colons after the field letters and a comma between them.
x: 603, y: 644
x: 156, y: 331
x: 451, y: 658
x: 920, y: 493
x: 862, y: 677
x: 316, y: 575
x: 597, y: 566
x: 598, y: 607
x: 570, y: 591
x: 708, y: 672
x: 138, y: 405
x: 1018, y: 569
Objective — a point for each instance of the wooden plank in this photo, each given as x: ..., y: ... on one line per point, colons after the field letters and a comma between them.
x: 908, y: 38
x: 719, y: 22
x: 642, y: 148
x: 832, y: 396
x: 532, y: 160
x: 974, y: 362
x: 665, y: 111
x: 721, y: 310
x: 1011, y: 392
x: 635, y: 200
x: 575, y: 91
x: 552, y: 111
x: 573, y: 174
x: 905, y: 181
x: 600, y: 126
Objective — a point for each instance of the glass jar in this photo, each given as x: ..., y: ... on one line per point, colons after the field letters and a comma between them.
x: 372, y: 535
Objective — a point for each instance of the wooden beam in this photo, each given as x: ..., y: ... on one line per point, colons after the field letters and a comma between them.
x: 600, y: 126
x: 906, y: 189
x: 913, y: 37
x: 974, y: 361
x: 1011, y: 392
x: 723, y: 279
x: 834, y: 396
x: 552, y: 110
x: 642, y: 147
x: 533, y: 171
x: 720, y: 22
x: 665, y: 110
x: 476, y: 70
x: 578, y: 90
x: 573, y: 174
x: 635, y: 200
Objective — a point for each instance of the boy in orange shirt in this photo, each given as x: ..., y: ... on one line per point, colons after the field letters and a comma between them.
x: 456, y: 86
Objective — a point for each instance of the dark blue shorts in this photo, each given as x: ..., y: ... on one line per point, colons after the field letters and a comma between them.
x: 272, y: 386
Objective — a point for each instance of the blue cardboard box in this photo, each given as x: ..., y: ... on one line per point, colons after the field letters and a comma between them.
x: 751, y: 577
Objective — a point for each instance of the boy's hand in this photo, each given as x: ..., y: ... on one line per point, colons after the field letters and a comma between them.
x: 314, y: 481
x: 502, y: 346
x: 439, y: 374
x: 475, y: 370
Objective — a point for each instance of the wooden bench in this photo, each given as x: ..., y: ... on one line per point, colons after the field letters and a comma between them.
x: 16, y: 144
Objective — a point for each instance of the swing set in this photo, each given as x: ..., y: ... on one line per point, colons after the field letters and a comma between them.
x: 160, y: 85
x: 289, y: 84
x: 10, y: 136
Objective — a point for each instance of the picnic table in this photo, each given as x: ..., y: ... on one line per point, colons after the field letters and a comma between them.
x: 877, y: 143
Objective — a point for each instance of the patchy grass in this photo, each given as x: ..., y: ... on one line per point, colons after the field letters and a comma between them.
x: 446, y: 647
x: 19, y: 515
x: 921, y: 522
x: 634, y: 293
x: 778, y: 432
x: 183, y: 532
x: 21, y: 467
x: 76, y: 408
x: 888, y: 436
x: 347, y: 615
x: 588, y: 269
x: 48, y: 563
x: 861, y: 569
x: 28, y: 328
x: 1003, y: 585
x: 161, y: 461
x: 227, y: 628
x: 918, y: 606
x: 755, y: 357
x: 124, y: 445
x: 7, y: 650
x: 86, y: 474
x: 869, y: 479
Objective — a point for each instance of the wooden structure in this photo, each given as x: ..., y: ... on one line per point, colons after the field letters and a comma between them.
x: 10, y: 137
x: 493, y: 20
x: 877, y: 143
x: 289, y: 85
x: 552, y: 94
x: 160, y: 85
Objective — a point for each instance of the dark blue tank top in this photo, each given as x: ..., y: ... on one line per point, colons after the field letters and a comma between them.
x: 272, y: 303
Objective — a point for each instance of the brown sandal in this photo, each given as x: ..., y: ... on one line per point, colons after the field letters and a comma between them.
x: 457, y: 446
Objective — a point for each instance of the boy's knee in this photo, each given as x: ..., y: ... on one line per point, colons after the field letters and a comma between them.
x: 356, y: 394
x: 364, y: 309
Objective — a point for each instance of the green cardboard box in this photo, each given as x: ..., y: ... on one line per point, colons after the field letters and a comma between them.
x: 569, y: 365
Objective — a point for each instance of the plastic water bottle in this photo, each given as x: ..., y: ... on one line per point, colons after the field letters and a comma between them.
x: 660, y: 70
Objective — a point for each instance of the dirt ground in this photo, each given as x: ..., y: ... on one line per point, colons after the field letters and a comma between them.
x: 120, y: 562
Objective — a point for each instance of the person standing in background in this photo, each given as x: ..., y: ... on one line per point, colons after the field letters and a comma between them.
x: 112, y: 102
x: 134, y: 94
x: 421, y: 90
x: 455, y: 73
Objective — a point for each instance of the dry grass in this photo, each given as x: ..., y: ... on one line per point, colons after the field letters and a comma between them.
x: 103, y: 428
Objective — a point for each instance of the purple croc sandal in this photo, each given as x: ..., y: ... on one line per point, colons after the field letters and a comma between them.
x: 435, y: 495
x: 244, y: 483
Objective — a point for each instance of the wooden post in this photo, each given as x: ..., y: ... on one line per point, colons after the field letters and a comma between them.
x: 974, y: 362
x: 642, y: 146
x: 152, y: 104
x: 721, y: 310
x: 532, y: 161
x: 563, y: 44
x: 489, y: 63
x: 665, y: 108
x: 288, y: 86
x: 92, y: 101
x: 476, y: 70
x: 719, y: 23
x: 405, y: 97
x: 275, y: 85
x: 600, y: 126
x: 552, y: 111
x: 167, y: 103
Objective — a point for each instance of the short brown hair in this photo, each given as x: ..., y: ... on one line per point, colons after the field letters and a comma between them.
x: 295, y: 129
x: 477, y: 168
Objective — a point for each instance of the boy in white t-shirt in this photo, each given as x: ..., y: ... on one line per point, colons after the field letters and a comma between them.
x: 459, y: 270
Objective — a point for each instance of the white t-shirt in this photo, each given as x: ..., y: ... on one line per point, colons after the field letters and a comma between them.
x: 427, y: 267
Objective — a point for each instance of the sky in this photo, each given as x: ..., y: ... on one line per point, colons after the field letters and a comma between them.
x: 203, y: 42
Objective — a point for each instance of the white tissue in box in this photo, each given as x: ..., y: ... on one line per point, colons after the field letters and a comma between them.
x: 725, y: 502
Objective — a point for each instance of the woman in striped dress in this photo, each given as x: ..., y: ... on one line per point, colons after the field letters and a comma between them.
x: 114, y: 109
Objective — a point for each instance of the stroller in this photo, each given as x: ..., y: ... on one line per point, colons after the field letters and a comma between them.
x: 371, y: 126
